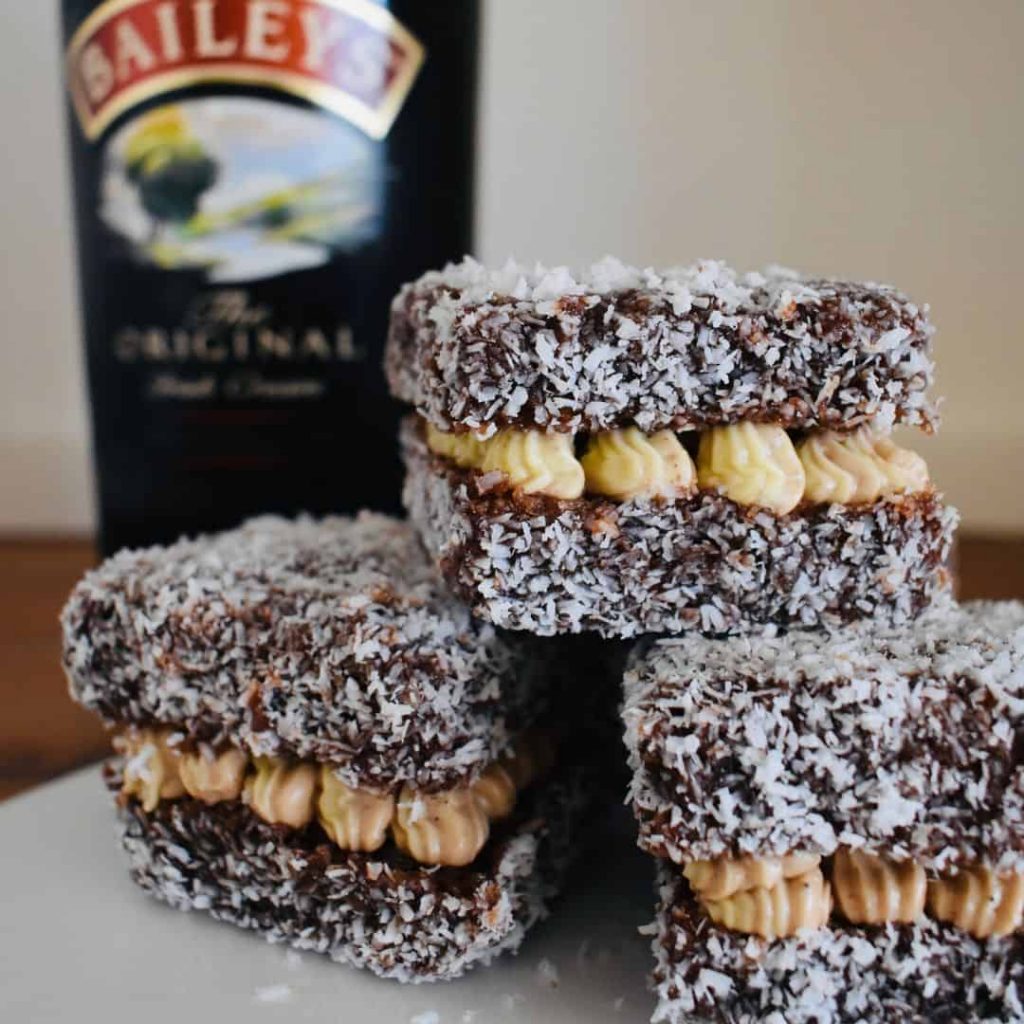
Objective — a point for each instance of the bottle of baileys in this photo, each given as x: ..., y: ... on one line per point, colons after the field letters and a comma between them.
x: 254, y: 179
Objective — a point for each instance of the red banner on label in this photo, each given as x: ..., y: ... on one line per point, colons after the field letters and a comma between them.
x: 352, y: 57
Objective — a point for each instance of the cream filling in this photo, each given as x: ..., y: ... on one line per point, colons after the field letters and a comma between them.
x: 753, y: 464
x: 857, y: 468
x: 535, y: 463
x: 721, y: 878
x: 775, y: 897
x: 150, y: 768
x: 876, y: 890
x: 804, y: 901
x: 626, y: 463
x: 355, y: 819
x: 447, y: 828
x: 978, y: 901
x: 441, y: 828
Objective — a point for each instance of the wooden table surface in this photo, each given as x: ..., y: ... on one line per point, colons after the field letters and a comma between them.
x: 43, y: 734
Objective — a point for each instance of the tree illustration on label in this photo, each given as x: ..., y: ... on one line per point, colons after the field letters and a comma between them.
x: 169, y: 166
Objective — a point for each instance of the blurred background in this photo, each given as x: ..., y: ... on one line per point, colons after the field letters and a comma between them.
x: 872, y: 140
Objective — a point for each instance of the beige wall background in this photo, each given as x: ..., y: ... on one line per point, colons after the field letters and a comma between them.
x: 881, y: 140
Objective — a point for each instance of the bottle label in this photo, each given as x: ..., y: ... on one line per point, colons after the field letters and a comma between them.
x: 351, y: 57
x: 254, y: 180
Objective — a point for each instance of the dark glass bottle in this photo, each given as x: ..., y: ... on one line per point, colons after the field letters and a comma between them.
x: 254, y: 179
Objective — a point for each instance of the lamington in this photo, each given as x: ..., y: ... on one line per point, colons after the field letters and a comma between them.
x: 630, y: 451
x: 316, y: 741
x: 838, y: 820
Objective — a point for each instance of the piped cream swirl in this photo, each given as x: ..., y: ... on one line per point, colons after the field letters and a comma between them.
x: 859, y: 467
x: 535, y: 462
x: 627, y: 463
x: 282, y: 793
x: 876, y: 890
x: 465, y: 449
x: 979, y: 901
x: 495, y: 791
x: 720, y: 878
x: 213, y: 778
x: 356, y: 819
x: 151, y: 769
x: 804, y: 901
x: 441, y: 828
x: 752, y: 464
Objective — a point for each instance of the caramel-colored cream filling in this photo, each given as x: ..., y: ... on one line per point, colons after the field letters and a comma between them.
x: 441, y: 828
x: 978, y: 901
x: 720, y: 878
x: 213, y: 778
x: 803, y: 901
x: 495, y: 792
x: 876, y: 890
x: 446, y: 828
x: 151, y: 768
x: 753, y: 464
x: 776, y: 896
x: 281, y: 793
x: 355, y: 819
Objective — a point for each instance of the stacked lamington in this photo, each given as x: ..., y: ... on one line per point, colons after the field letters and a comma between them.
x: 839, y: 820
x: 316, y: 741
x: 630, y: 452
x: 827, y: 756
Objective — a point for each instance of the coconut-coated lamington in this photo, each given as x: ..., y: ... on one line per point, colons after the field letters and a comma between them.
x: 839, y: 819
x: 318, y: 742
x: 627, y: 451
x: 530, y: 347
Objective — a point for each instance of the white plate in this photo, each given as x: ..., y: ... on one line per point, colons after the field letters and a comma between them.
x: 78, y: 942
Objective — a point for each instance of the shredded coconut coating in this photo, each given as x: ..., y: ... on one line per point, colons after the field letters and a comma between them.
x: 377, y: 911
x: 683, y: 347
x: 903, y: 742
x: 924, y: 973
x: 331, y: 641
x: 619, y: 569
